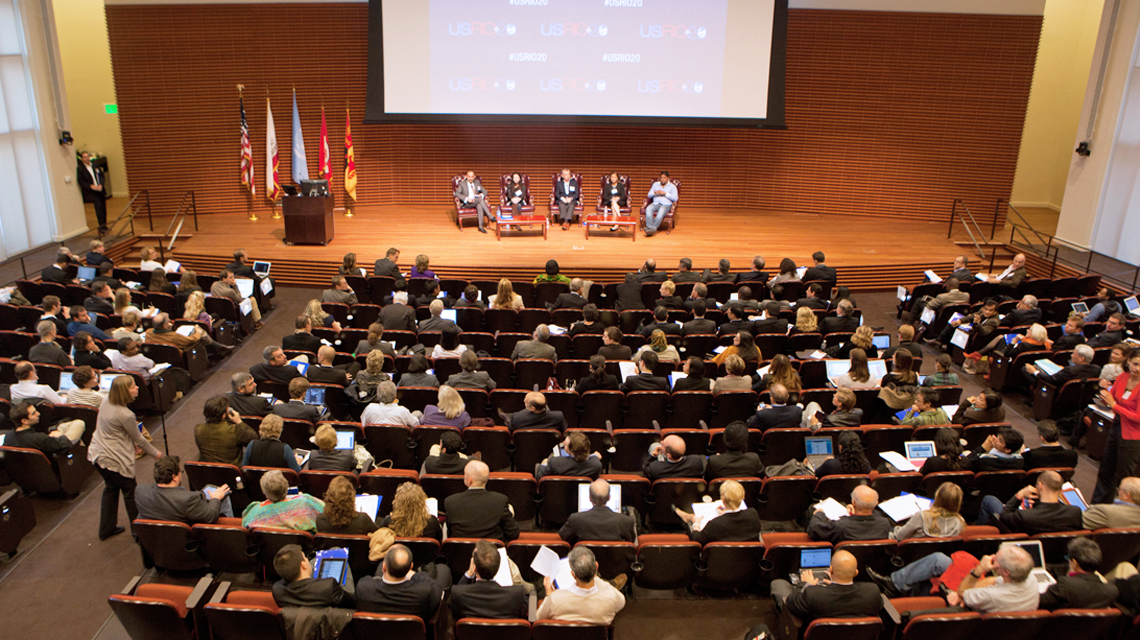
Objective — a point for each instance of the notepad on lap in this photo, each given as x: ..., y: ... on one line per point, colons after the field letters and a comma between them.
x: 1048, y: 366
x: 932, y: 276
x: 832, y: 509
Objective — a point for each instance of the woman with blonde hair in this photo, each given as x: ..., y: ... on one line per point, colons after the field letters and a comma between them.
x: 506, y: 298
x: 659, y: 345
x: 410, y: 517
x: 861, y: 339
x: 941, y: 520
x: 806, y: 321
x: 373, y: 373
x: 733, y: 522
x: 736, y: 380
x: 859, y: 375
x: 421, y: 269
x: 149, y: 259
x: 449, y: 410
x: 123, y: 303
x: 316, y: 314
x: 196, y: 309
x: 340, y: 515
x: 326, y: 457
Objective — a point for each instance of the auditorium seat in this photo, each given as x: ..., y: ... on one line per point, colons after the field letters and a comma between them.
x: 440, y: 486
x: 634, y: 488
x: 777, y: 446
x: 785, y: 497
x: 457, y: 553
x: 645, y: 407
x: 599, y: 407
x: 155, y: 611
x: 169, y: 545
x: 270, y: 540
x: 389, y: 626
x: 559, y: 499
x: 35, y: 472
x: 532, y: 446
x: 667, y: 493
x: 357, y: 546
x: 316, y: 483
x: 520, y: 489
x: 613, y: 557
x: 730, y: 565
x: 244, y: 615
x: 1001, y: 484
x: 492, y: 629
x: 839, y: 486
x: 876, y: 554
x: 632, y: 448
x: 523, y: 551
x: 665, y: 561
x: 941, y: 626
x: 390, y: 442
x: 251, y: 476
x: 892, y: 485
x: 424, y: 550
x: 931, y: 481
x: 1081, y: 623
x: 911, y: 549
x: 1117, y: 545
x: 493, y: 443
x: 731, y: 406
x: 532, y: 372
x: 689, y: 408
x: 425, y: 437
x: 227, y: 548
x: 1021, y: 625
x: 1051, y: 402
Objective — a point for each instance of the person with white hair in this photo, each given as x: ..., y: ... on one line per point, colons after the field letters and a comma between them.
x: 1124, y: 512
x: 1007, y: 590
x: 587, y: 600
x: 1080, y: 366
x: 398, y: 316
x: 386, y: 410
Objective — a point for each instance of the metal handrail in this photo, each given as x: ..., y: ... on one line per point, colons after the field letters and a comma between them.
x: 1052, y: 254
x: 188, y: 205
x: 955, y: 214
x: 1025, y: 223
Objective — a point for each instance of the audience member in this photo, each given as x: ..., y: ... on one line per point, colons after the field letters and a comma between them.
x: 667, y: 459
x: 477, y: 595
x: 599, y: 522
x: 737, y: 378
x: 222, y: 436
x: 849, y: 457
x: 534, y: 415
x: 297, y: 586
x: 780, y: 415
x: 296, y: 408
x: 645, y: 380
x: 588, y: 600
x: 410, y: 517
x: 1081, y: 587
x: 941, y: 520
x: 999, y: 452
x: 268, y: 450
x: 838, y: 597
x: 276, y: 367
x: 47, y: 350
x: 281, y: 510
x: 417, y: 374
x: 736, y: 461
x: 947, y: 454
x: 446, y: 457
x: 734, y: 522
x: 1051, y: 453
x: 1123, y: 512
x: 612, y: 348
x: 244, y: 399
x: 326, y: 457
x: 57, y: 440
x: 167, y: 499
x: 984, y: 408
x: 926, y: 411
x: 386, y: 410
x: 536, y: 348
x: 1045, y: 511
x: 398, y: 316
x: 340, y: 515
x: 863, y: 521
x: 574, y: 459
x: 468, y: 377
x: 449, y: 410
x: 597, y: 379
x: 477, y: 512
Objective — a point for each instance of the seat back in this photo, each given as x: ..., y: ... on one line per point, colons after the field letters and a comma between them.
x: 564, y: 630
x: 270, y: 540
x: 388, y: 625
x: 1001, y: 484
x: 941, y: 626
x: 913, y: 549
x: 875, y: 554
x: 785, y: 498
x: 731, y: 565
x: 631, y: 448
x: 391, y: 442
x: 30, y: 469
x: 532, y: 446
x: 357, y: 545
x: 1117, y: 545
x: 867, y: 628
x: 559, y: 498
x: 665, y: 561
x: 840, y: 486
x: 384, y: 482
x: 493, y: 443
x: 668, y: 493
x: 892, y: 485
x: 1021, y: 625
x: 732, y: 406
x: 600, y: 406
x: 440, y: 486
x: 489, y: 629
x: 150, y: 618
x: 520, y: 489
x: 171, y: 545
x: 1084, y: 623
x: 777, y: 446
x: 646, y: 406
x: 613, y: 557
x: 245, y: 622
x: 227, y: 548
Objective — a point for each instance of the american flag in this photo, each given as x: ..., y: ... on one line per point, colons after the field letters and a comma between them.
x: 246, y: 152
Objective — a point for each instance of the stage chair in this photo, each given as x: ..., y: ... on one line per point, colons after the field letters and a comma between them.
x: 579, y: 208
x: 670, y: 219
x: 462, y: 211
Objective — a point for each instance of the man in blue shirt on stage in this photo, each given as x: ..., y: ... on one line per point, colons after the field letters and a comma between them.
x: 664, y: 194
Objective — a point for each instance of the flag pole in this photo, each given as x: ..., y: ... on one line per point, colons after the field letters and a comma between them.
x: 250, y: 214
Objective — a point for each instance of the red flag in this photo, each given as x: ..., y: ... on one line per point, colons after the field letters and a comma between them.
x: 349, y: 158
x: 324, y: 165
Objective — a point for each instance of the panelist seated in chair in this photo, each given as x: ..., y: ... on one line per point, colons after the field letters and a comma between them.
x: 471, y: 193
x: 167, y: 499
x: 567, y: 194
x: 839, y: 596
x: 477, y: 595
x: 663, y: 194
x: 599, y: 522
x: 517, y: 194
x: 297, y: 586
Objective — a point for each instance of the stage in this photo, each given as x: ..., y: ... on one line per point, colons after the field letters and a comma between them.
x: 868, y: 252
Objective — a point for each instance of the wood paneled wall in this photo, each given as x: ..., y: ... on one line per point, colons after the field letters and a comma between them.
x: 889, y: 114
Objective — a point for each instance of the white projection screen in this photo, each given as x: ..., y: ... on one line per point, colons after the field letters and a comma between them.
x: 665, y: 62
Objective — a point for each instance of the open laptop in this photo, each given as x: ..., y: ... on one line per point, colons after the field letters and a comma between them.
x: 315, y: 396
x: 584, y: 504
x: 818, y: 450
x: 1131, y: 305
x: 66, y: 383
x: 262, y: 268
x: 448, y: 314
x: 1080, y: 307
x: 86, y: 274
x: 1043, y: 577
x: 918, y: 451
x: 880, y: 342
x: 818, y: 560
x: 345, y: 440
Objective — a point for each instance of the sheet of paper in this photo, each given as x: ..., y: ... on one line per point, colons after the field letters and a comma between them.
x: 185, y: 330
x: 503, y: 577
x: 897, y: 460
x: 1048, y: 366
x: 171, y: 266
x: 556, y: 330
x: 433, y: 507
x: 800, y: 272
x: 950, y: 409
x: 627, y: 369
x: 901, y: 508
x: 932, y: 276
x: 960, y: 339
x: 369, y: 504
x: 159, y: 368
x: 266, y: 287
x: 982, y: 276
x: 901, y: 295
x: 246, y: 307
x: 817, y: 355
x: 927, y: 316
x: 546, y: 562
x: 720, y: 349
x: 832, y: 509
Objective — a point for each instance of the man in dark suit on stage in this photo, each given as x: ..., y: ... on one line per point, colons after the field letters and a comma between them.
x: 757, y: 274
x: 535, y: 415
x: 843, y: 321
x: 699, y: 324
x: 398, y: 316
x: 685, y: 272
x: 599, y: 523
x: 386, y: 266
x: 567, y: 193
x: 243, y: 396
x: 820, y: 271
x: 478, y: 595
x: 90, y: 180
x: 472, y: 194
x: 296, y: 409
x: 645, y: 380
x: 477, y: 512
x: 167, y: 499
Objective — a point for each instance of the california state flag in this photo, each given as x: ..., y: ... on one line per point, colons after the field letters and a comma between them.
x: 272, y: 185
x: 349, y: 158
x: 323, y: 164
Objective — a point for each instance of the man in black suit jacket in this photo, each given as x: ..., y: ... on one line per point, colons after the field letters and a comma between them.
x: 1072, y: 334
x: 243, y: 395
x: 55, y: 312
x: 1081, y: 588
x: 242, y: 269
x: 573, y: 299
x: 534, y: 415
x: 298, y: 588
x: 57, y: 271
x: 101, y: 300
x: 1025, y: 313
x: 862, y: 523
x: 105, y: 271
x: 302, y: 338
x: 478, y: 595
x: 296, y: 409
x: 699, y: 323
x: 668, y: 299
x: 736, y: 321
x: 599, y: 523
x: 721, y: 274
x: 575, y: 460
x: 737, y: 461
x: 567, y: 193
x: 820, y: 271
x: 700, y: 292
x: 660, y: 321
x: 477, y: 512
x: 961, y: 269
x: 757, y: 274
x: 667, y: 459
x: 435, y: 322
x: 396, y: 588
x: 645, y: 380
x: 91, y: 186
x: 386, y: 266
x: 629, y: 294
x: 1113, y: 333
x: 167, y: 499
x: 649, y: 272
x: 398, y: 316
x: 1051, y: 453
x: 772, y: 323
x: 276, y: 367
x: 431, y: 294
x: 1081, y: 367
x: 326, y: 373
x: 842, y: 597
x: 813, y: 299
x: 843, y: 321
x: 1046, y: 512
x: 685, y: 272
x: 780, y: 415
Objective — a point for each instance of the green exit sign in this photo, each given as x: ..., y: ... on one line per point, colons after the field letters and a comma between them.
x: 111, y: 109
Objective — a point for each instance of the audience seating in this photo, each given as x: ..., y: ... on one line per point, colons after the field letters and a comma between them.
x: 170, y: 545
x: 244, y: 615
x: 665, y: 561
x: 37, y: 473
x: 161, y: 611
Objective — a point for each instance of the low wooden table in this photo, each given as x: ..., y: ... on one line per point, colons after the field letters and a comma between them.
x: 600, y: 220
x: 520, y: 221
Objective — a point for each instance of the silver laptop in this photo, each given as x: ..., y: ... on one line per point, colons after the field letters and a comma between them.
x: 262, y: 268
x: 1043, y: 577
x: 1131, y: 305
x: 818, y: 450
x: 818, y: 560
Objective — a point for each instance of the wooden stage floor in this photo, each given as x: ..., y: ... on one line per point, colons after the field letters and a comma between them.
x: 869, y: 252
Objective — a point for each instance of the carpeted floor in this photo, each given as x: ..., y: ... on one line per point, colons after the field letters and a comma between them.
x: 58, y: 585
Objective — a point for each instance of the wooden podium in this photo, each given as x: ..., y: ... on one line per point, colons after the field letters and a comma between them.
x: 308, y: 220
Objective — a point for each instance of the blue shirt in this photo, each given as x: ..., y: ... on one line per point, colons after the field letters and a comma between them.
x: 96, y: 332
x: 670, y: 193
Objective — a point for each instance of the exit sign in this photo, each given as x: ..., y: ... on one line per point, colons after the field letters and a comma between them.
x: 111, y: 109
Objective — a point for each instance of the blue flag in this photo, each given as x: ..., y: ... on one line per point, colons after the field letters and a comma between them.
x: 300, y: 164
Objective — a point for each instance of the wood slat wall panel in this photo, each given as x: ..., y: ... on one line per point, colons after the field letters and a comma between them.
x: 889, y: 114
